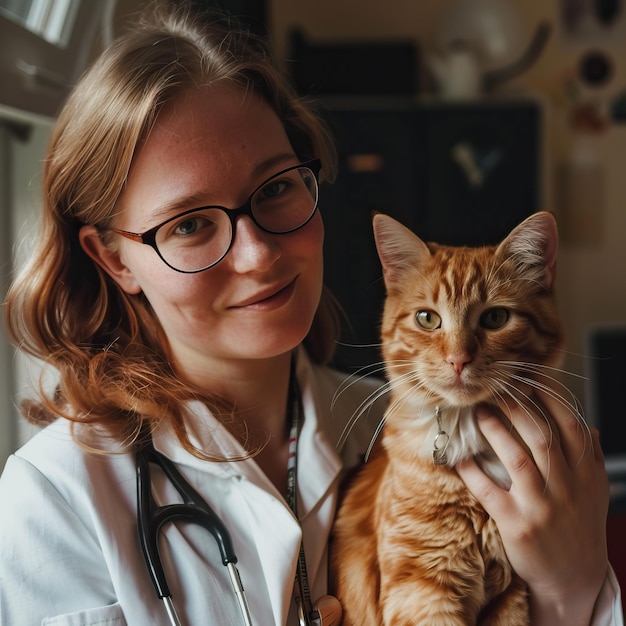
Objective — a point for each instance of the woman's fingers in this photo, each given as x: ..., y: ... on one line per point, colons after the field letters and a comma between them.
x: 557, y: 501
x: 493, y: 498
x: 576, y: 437
x: 521, y: 442
x: 552, y: 429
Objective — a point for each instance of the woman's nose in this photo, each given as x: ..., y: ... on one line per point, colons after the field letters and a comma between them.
x: 253, y: 249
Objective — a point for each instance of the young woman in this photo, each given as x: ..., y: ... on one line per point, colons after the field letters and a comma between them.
x: 177, y: 290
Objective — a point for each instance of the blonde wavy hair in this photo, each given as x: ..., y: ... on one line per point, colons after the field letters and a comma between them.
x: 108, y: 347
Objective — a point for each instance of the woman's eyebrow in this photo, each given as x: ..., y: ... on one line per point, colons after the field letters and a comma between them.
x: 170, y: 208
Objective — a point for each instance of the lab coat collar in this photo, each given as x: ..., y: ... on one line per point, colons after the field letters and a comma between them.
x: 318, y: 462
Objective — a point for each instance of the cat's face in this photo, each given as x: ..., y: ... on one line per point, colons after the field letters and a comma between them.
x: 462, y: 325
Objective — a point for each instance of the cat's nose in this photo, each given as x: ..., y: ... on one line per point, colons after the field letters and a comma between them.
x: 458, y: 361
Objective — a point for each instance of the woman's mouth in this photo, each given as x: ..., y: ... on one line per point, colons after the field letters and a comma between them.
x: 268, y: 300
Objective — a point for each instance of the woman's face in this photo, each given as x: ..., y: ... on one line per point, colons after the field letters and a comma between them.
x: 213, y: 146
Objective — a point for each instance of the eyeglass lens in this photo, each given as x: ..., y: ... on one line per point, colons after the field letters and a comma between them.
x: 199, y: 239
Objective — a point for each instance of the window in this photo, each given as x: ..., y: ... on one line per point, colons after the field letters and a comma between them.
x: 50, y: 19
x: 44, y: 47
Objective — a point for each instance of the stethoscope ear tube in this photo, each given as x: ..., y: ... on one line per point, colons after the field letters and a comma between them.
x: 239, y: 592
x: 148, y: 532
x: 194, y: 509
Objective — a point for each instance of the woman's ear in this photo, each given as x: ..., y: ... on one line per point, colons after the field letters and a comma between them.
x: 108, y: 259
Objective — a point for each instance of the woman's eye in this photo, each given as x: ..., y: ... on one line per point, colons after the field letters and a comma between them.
x: 187, y: 226
x: 272, y: 190
x: 191, y: 225
x: 495, y: 318
x: 429, y: 320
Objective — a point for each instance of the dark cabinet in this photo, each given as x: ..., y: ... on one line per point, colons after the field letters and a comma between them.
x: 461, y: 173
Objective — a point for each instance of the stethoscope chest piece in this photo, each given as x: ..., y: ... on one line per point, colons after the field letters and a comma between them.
x: 329, y: 611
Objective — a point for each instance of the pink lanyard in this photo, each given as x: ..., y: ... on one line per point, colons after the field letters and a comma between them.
x: 294, y: 402
x: 327, y: 610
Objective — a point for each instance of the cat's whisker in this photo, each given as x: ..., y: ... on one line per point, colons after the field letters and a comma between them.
x: 541, y: 369
x: 375, y: 436
x: 363, y: 408
x: 573, y: 405
x: 345, y: 344
x: 414, y: 387
x: 396, y: 406
x: 528, y: 402
x: 355, y: 377
x: 503, y: 390
x: 550, y: 391
x: 501, y: 398
x: 516, y: 394
x: 409, y: 377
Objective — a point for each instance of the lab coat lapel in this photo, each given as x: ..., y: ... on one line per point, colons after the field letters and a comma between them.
x: 319, y: 467
x: 276, y: 537
x: 318, y: 462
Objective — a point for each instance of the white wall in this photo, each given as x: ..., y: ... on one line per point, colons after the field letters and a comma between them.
x: 20, y: 206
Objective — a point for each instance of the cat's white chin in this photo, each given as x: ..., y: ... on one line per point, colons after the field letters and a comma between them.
x: 464, y: 397
x: 460, y: 391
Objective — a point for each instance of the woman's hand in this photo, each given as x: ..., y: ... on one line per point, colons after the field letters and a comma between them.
x: 553, y: 518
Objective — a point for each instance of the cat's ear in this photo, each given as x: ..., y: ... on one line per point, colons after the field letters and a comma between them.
x: 534, y: 243
x: 399, y: 249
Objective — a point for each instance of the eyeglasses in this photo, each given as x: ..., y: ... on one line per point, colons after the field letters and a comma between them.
x: 198, y: 239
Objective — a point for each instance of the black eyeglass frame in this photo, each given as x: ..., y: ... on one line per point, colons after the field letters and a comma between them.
x: 148, y: 237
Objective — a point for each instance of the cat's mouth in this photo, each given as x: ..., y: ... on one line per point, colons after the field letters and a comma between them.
x: 462, y: 391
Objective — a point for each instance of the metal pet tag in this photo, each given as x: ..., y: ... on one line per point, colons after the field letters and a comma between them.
x: 441, y: 442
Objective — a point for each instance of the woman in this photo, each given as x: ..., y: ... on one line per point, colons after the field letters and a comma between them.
x: 177, y: 323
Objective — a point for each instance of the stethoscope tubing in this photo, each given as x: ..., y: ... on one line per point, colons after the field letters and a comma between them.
x: 151, y: 518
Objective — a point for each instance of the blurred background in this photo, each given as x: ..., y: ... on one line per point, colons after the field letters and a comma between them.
x: 459, y: 117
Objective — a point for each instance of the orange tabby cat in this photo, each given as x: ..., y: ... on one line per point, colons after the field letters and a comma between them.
x: 461, y: 326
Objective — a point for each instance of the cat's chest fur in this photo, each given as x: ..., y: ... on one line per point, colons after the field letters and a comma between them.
x: 419, y: 482
x: 441, y: 437
x: 418, y: 471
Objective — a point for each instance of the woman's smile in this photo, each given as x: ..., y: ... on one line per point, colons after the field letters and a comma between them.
x: 269, y: 298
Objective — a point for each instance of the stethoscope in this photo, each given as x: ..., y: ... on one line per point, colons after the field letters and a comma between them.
x: 151, y: 518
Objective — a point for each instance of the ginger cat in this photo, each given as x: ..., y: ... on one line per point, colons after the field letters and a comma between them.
x: 461, y: 326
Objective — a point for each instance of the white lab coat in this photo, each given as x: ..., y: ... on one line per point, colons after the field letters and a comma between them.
x: 69, y: 550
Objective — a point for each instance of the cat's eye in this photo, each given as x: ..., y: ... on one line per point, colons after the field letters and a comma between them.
x: 429, y: 320
x: 495, y: 318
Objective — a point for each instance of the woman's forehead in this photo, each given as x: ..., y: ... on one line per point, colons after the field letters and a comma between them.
x: 206, y: 144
